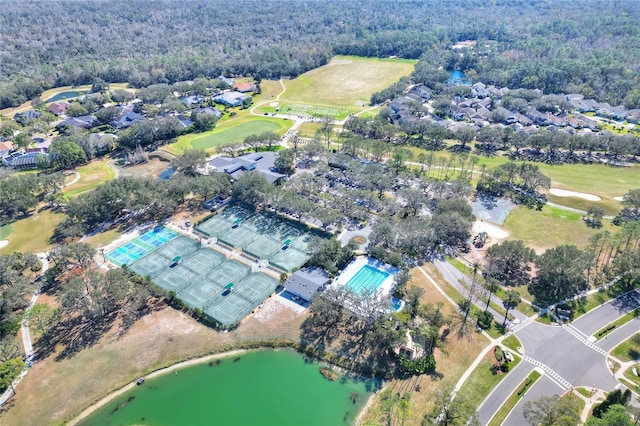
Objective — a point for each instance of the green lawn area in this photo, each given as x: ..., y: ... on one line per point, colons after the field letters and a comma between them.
x: 482, y: 380
x: 617, y: 323
x: 91, y: 175
x: 549, y: 227
x: 345, y: 82
x: 626, y: 351
x: 103, y: 238
x: 634, y: 381
x: 308, y: 129
x: 32, y: 233
x: 5, y: 231
x: 512, y: 342
x: 232, y: 130
x: 511, y: 402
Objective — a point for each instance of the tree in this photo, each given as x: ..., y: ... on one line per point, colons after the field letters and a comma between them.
x: 189, y: 162
x: 43, y: 317
x: 203, y: 122
x: 491, y: 285
x: 66, y: 154
x: 616, y: 415
x: 251, y: 188
x: 561, y: 274
x: 511, y: 300
x: 76, y: 110
x: 553, y: 411
x: 9, y: 348
x: 616, y: 397
x: 594, y: 216
x: 509, y: 261
x: 450, y: 409
x: 284, y: 162
x: 9, y: 371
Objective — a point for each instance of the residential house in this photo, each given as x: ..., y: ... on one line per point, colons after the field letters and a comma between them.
x: 208, y: 110
x: 6, y: 148
x: 260, y: 162
x: 59, y: 108
x: 555, y: 120
x: 305, y: 283
x: 24, y: 160
x: 573, y: 97
x: 185, y: 121
x: 84, y: 122
x: 585, y: 105
x: 232, y: 99
x: 226, y: 80
x: 422, y: 91
x: 244, y: 87
x: 24, y: 117
x: 191, y: 101
x: 127, y: 118
x: 538, y: 118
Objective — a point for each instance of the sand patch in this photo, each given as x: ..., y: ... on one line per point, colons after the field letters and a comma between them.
x: 564, y: 193
x: 3, y: 243
x: 493, y: 230
x: 619, y: 198
x: 274, y: 104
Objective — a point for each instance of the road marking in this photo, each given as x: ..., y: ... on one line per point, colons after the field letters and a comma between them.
x: 584, y: 339
x: 549, y: 372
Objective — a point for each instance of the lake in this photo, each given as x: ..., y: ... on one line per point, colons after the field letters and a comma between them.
x: 66, y: 95
x: 270, y: 387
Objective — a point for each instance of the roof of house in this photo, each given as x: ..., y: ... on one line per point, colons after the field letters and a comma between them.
x: 190, y: 100
x: 306, y: 282
x: 231, y: 98
x: 59, y: 108
x: 27, y: 115
x: 127, y: 118
x: 186, y: 121
x: 243, y: 87
x: 262, y: 162
x: 227, y: 80
x: 85, y: 121
x: 208, y: 110
x: 6, y: 146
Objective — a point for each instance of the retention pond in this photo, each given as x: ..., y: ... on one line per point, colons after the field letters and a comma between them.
x: 269, y: 387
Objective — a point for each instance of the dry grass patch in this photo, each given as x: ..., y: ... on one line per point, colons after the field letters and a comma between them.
x: 56, y: 391
x: 451, y: 363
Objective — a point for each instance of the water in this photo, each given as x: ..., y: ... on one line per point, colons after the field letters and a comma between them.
x: 457, y: 77
x: 367, y: 279
x: 65, y: 95
x: 260, y: 388
x: 166, y: 174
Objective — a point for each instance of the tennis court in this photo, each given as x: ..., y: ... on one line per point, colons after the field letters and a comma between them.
x: 289, y: 259
x: 262, y: 247
x: 223, y: 222
x: 245, y: 295
x: 140, y: 246
x: 157, y: 261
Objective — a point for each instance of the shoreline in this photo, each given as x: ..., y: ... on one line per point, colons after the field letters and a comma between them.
x: 182, y: 364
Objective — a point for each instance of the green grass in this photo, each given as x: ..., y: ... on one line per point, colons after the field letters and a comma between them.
x: 308, y: 129
x: 617, y: 323
x: 460, y: 265
x: 232, y: 130
x: 511, y: 402
x: 93, y: 174
x: 549, y: 227
x: 103, y: 238
x: 584, y: 392
x: 632, y: 378
x: 5, y: 231
x: 512, y: 342
x: 482, y: 380
x: 32, y: 233
x: 627, y: 351
x: 345, y: 82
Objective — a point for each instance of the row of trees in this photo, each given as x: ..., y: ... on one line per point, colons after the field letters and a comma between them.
x: 566, y: 271
x: 132, y: 45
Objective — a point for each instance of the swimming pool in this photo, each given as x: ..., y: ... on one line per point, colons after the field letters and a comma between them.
x: 366, y: 281
x: 138, y: 247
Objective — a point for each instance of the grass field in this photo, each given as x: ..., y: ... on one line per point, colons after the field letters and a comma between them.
x: 103, y: 238
x: 32, y: 233
x: 482, y: 380
x: 91, y: 175
x: 626, y: 351
x: 346, y: 82
x: 232, y: 130
x: 550, y: 227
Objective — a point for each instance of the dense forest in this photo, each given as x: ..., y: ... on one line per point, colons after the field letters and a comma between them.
x: 591, y: 47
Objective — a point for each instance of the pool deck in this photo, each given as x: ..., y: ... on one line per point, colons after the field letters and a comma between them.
x: 357, y: 264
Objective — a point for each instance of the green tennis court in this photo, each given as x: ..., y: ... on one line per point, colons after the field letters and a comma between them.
x: 135, y: 249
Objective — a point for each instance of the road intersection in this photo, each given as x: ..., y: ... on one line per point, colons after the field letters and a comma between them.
x: 568, y: 355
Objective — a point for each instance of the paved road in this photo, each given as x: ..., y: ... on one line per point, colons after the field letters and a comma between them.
x: 493, y: 403
x: 543, y: 386
x: 597, y: 318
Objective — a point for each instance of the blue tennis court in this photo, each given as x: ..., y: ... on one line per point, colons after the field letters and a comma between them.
x: 140, y: 246
x: 367, y: 280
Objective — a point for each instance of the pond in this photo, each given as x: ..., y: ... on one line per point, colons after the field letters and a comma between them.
x: 166, y: 174
x: 457, y: 77
x: 66, y: 95
x: 270, y: 387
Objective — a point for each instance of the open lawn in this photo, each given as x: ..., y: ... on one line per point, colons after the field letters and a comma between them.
x: 232, y: 130
x: 549, y: 227
x: 345, y: 82
x: 483, y: 379
x: 460, y: 353
x: 627, y: 351
x: 91, y: 175
x: 32, y: 233
x: 103, y: 238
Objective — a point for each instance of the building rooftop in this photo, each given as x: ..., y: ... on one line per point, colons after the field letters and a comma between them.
x: 305, y: 283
